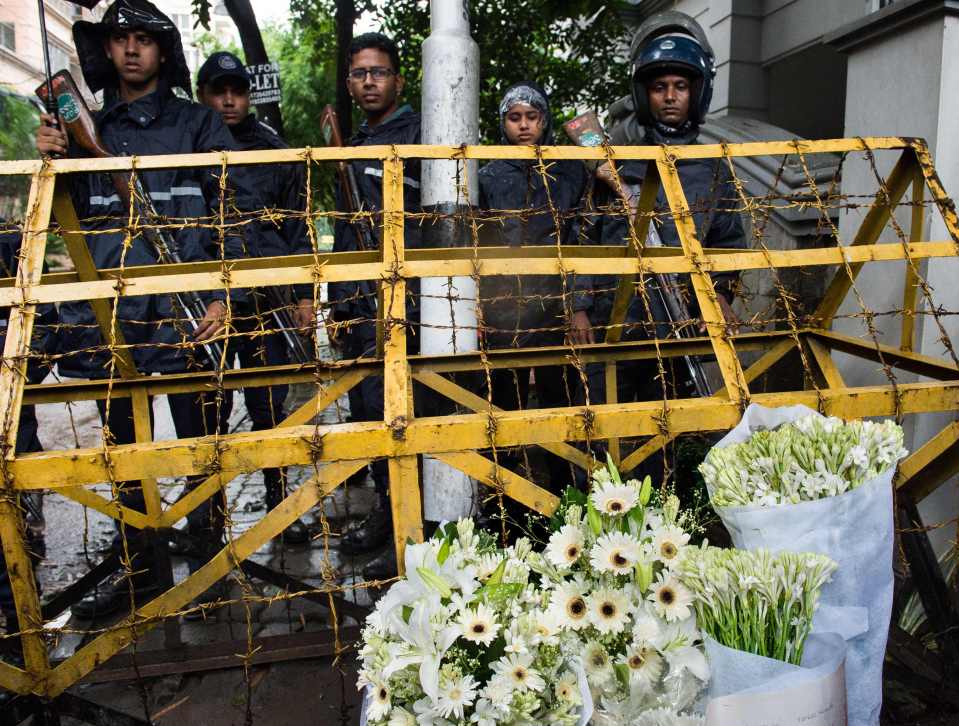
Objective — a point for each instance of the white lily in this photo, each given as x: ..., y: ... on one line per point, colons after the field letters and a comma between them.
x: 426, y: 645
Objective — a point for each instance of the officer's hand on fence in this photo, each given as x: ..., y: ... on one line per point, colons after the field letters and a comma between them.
x: 729, y: 315
x: 212, y: 322
x: 50, y: 140
x: 333, y: 332
x: 581, y: 330
x: 303, y: 316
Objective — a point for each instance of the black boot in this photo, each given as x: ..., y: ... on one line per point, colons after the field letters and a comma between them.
x: 113, y: 596
x: 373, y: 532
x: 297, y: 533
x: 383, y: 567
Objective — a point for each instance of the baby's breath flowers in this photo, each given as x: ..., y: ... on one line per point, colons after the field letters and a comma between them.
x: 755, y: 601
x: 810, y: 458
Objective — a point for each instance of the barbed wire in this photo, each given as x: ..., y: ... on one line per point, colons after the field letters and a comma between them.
x: 505, y: 372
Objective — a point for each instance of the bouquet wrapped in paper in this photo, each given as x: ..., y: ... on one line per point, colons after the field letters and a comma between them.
x: 610, y: 570
x: 756, y: 609
x: 468, y: 637
x: 791, y: 479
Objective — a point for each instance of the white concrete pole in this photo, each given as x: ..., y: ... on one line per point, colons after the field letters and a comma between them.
x: 448, y: 305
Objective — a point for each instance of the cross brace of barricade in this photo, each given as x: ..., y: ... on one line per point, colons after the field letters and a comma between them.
x: 337, y: 451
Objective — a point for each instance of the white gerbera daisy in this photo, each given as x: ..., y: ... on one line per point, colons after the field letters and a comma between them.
x: 546, y: 624
x: 568, y: 601
x: 596, y: 661
x: 567, y: 689
x: 401, y: 717
x: 644, y: 662
x: 565, y: 546
x: 667, y: 717
x: 668, y: 542
x: 608, y: 610
x: 614, y: 499
x: 670, y: 598
x: 647, y: 627
x: 379, y: 706
x: 499, y: 692
x: 517, y: 669
x: 616, y: 552
x: 479, y: 625
x: 455, y: 695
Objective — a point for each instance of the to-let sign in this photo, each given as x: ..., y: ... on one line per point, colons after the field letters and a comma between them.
x: 265, y: 86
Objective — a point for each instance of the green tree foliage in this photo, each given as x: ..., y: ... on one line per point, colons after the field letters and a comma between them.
x: 18, y: 122
x: 577, y: 49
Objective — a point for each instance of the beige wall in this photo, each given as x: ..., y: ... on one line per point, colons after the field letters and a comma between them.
x: 22, y: 71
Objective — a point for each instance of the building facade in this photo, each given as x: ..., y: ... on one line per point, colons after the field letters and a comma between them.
x: 21, y: 48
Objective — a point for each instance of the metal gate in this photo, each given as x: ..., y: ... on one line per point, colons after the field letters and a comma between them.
x: 469, y: 438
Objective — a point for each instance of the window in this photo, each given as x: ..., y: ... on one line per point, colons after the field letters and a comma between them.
x: 873, y: 6
x: 182, y: 21
x: 66, y: 9
x: 8, y: 37
x: 59, y: 57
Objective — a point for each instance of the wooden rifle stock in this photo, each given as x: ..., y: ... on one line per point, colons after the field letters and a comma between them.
x: 79, y: 123
x: 330, y: 128
x: 586, y: 130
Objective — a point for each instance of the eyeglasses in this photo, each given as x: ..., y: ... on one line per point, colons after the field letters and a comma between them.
x: 378, y: 73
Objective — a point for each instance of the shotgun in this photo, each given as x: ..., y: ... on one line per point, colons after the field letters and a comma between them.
x: 586, y: 130
x: 80, y: 125
x: 330, y: 128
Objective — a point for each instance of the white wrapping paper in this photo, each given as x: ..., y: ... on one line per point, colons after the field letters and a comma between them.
x: 750, y: 690
x: 856, y: 530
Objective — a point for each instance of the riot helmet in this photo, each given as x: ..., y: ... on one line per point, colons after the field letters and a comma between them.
x: 672, y: 42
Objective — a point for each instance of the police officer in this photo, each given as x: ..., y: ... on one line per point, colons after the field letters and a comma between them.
x: 375, y: 84
x: 135, y: 56
x: 672, y: 84
x: 529, y: 207
x: 223, y: 84
x: 43, y: 343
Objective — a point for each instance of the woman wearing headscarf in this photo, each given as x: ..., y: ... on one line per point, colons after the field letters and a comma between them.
x: 526, y: 204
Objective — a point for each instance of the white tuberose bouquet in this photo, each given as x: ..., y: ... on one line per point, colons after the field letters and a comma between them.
x: 757, y: 602
x: 467, y: 638
x: 807, y: 459
x: 615, y: 598
x: 790, y: 479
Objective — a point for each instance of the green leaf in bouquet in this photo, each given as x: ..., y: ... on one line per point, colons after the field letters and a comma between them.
x: 613, y: 471
x: 637, y: 516
x: 407, y: 613
x: 450, y: 533
x: 646, y: 490
x: 444, y: 552
x: 571, y: 496
x: 500, y: 593
x: 593, y: 518
x: 497, y: 577
x: 435, y: 581
x: 622, y: 674
x: 644, y: 575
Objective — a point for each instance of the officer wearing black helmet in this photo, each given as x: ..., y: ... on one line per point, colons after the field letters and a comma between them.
x: 135, y: 56
x: 672, y: 85
x: 223, y: 84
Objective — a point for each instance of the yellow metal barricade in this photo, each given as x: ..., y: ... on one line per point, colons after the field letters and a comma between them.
x: 337, y: 451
